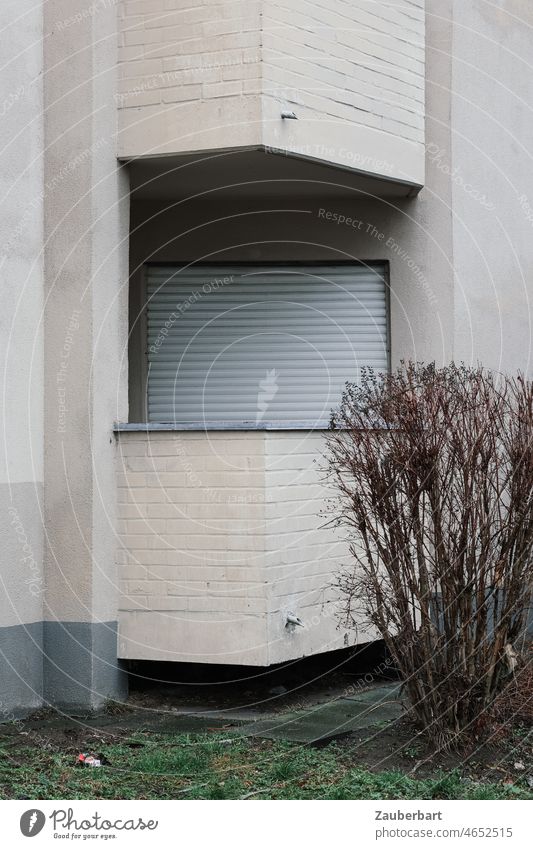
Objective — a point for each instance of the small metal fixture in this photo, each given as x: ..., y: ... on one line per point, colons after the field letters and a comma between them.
x: 293, y: 620
x: 287, y: 114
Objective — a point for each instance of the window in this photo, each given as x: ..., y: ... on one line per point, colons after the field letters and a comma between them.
x: 261, y: 344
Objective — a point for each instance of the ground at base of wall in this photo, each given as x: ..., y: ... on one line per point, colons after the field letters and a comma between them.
x: 223, y: 764
x: 151, y: 753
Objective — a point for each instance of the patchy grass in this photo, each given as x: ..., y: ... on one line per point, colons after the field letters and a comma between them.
x: 223, y: 766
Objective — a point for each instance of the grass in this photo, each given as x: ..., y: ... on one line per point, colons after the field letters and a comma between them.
x: 222, y: 766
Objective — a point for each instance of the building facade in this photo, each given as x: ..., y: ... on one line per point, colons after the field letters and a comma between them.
x: 213, y: 214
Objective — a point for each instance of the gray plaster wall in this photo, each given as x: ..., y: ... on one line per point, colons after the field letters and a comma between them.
x: 81, y: 671
x: 86, y: 244
x: 21, y: 670
x: 491, y: 151
x: 63, y: 331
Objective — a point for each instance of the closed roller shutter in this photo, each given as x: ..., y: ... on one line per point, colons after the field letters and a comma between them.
x: 261, y: 344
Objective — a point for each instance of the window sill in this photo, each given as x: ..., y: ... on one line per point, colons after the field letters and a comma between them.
x: 143, y: 427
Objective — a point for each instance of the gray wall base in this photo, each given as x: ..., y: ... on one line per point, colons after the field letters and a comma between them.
x: 21, y: 670
x: 71, y: 666
x: 81, y: 670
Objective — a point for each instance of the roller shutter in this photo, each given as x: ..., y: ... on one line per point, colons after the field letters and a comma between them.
x: 261, y: 344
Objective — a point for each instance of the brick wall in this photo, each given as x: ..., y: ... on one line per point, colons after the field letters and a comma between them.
x: 354, y: 75
x: 189, y: 74
x: 302, y: 555
x: 201, y: 74
x: 361, y: 63
x: 192, y: 539
x: 220, y: 538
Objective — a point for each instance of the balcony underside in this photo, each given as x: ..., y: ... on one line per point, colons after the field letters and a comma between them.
x: 259, y: 172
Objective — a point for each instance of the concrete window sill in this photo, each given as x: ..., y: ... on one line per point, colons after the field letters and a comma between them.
x: 144, y: 427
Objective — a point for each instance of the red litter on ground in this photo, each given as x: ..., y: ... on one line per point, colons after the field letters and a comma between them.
x: 85, y: 759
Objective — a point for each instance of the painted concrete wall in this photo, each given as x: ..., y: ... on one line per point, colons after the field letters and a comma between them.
x: 219, y: 541
x: 21, y: 355
x: 86, y: 217
x: 492, y: 184
x: 218, y: 74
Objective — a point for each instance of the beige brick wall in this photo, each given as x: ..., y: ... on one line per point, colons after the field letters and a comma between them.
x: 354, y: 74
x: 357, y: 65
x: 191, y: 547
x: 220, y: 538
x: 189, y: 75
x: 207, y: 75
x: 302, y: 556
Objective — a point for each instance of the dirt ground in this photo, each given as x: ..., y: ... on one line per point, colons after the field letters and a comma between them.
x: 200, y: 704
x: 397, y: 747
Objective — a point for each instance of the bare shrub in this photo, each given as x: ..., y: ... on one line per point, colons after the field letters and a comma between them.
x: 434, y: 473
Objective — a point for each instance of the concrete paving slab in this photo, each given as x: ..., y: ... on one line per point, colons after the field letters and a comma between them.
x: 170, y: 723
x: 317, y: 722
x: 375, y: 694
x: 325, y: 722
x: 159, y: 722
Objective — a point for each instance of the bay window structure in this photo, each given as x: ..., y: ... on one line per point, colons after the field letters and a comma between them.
x: 270, y: 154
